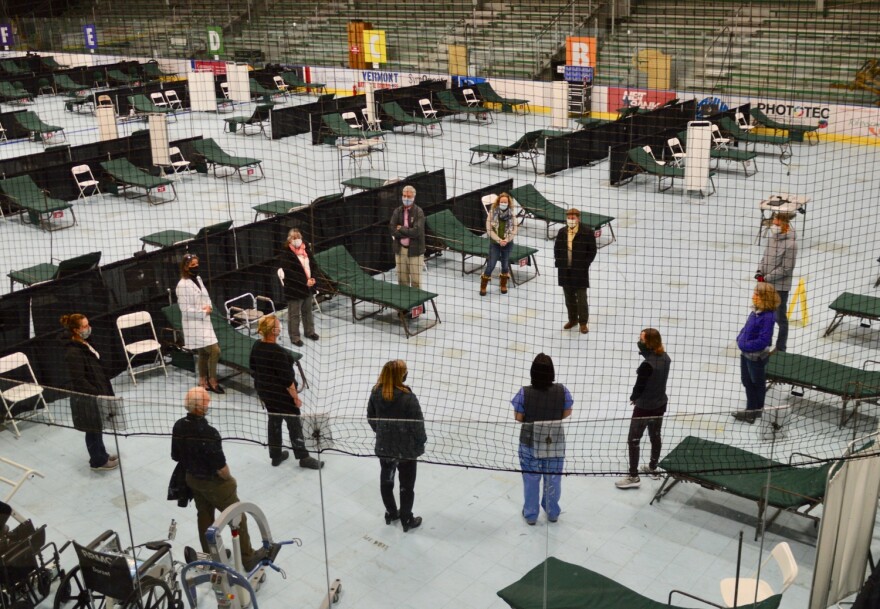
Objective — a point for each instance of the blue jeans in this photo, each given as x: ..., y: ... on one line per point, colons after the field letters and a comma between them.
x: 533, y: 471
x: 496, y: 253
x: 782, y: 321
x: 754, y: 375
x: 95, y: 445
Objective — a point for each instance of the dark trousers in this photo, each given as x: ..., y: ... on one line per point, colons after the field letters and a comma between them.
x: 406, y: 471
x: 217, y: 494
x: 637, y: 428
x: 496, y: 253
x: 95, y: 445
x: 782, y: 321
x: 754, y: 375
x: 294, y: 428
x: 577, y: 305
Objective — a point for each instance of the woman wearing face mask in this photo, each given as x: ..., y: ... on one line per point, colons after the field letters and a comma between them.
x: 501, y: 226
x: 754, y: 344
x: 395, y: 415
x: 299, y: 285
x: 649, y: 400
x: 274, y: 380
x: 198, y: 333
x: 87, y: 378
x: 777, y: 268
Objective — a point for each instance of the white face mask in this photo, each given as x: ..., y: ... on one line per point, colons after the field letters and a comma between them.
x: 571, y: 222
x: 84, y: 334
x: 297, y: 242
x: 775, y: 229
x: 502, y: 206
x: 278, y: 329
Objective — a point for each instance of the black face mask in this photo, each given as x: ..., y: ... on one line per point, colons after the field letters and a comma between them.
x: 405, y: 374
x: 193, y: 270
x: 643, y: 348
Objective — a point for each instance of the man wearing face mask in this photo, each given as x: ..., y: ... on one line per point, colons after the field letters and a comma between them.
x: 195, y: 312
x: 272, y: 369
x: 408, y: 235
x: 574, y: 252
x: 777, y: 269
x: 649, y: 400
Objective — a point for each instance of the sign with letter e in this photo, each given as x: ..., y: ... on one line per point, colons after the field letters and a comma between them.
x: 374, y: 46
x: 580, y: 51
x: 6, y: 37
x: 215, y: 41
x: 90, y: 36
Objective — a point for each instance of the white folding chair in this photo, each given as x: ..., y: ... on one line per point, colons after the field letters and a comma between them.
x: 20, y: 390
x: 371, y: 123
x: 178, y: 163
x: 678, y: 153
x: 427, y: 108
x: 751, y: 589
x: 651, y: 152
x: 741, y: 121
x: 224, y: 86
x: 142, y: 345
x: 470, y: 98
x: 158, y: 99
x: 720, y: 142
x: 488, y: 201
x: 244, y: 310
x: 86, y: 181
x: 173, y: 101
x: 2, y: 134
x: 104, y: 101
x: 283, y: 87
x: 352, y: 119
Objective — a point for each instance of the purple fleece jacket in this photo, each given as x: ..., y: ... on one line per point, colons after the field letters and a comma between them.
x: 757, y: 334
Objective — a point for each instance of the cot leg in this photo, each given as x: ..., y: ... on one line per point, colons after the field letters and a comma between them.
x: 661, y: 492
x: 838, y: 318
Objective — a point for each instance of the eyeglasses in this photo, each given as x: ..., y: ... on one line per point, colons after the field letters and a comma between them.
x: 189, y: 257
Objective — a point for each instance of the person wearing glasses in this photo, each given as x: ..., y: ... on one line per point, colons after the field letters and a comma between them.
x: 198, y: 333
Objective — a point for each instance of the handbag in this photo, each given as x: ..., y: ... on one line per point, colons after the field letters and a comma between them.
x: 177, y: 488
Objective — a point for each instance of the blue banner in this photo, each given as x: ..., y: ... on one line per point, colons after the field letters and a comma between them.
x: 466, y: 81
x: 90, y: 36
x: 6, y: 37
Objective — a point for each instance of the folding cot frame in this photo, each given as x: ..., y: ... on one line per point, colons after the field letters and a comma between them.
x: 525, y: 147
x: 139, y: 180
x: 849, y: 304
x: 534, y: 205
x: 732, y: 129
x: 641, y: 162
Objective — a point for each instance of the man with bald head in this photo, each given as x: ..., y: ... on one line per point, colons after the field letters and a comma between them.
x: 198, y: 446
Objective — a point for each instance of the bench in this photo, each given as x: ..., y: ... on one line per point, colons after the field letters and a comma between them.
x: 349, y: 279
x: 216, y: 156
x: 449, y: 101
x: 555, y: 583
x: 797, y: 133
x: 845, y: 382
x: 235, y: 347
x: 535, y: 205
x: 46, y: 271
x: 274, y: 208
x: 457, y: 237
x: 508, y: 104
x: 30, y: 121
x: 729, y: 127
x: 399, y: 117
x: 720, y: 467
x: 36, y: 203
x: 167, y: 238
x: 639, y: 160
x: 525, y: 147
x: 125, y: 176
x: 853, y: 305
x: 259, y: 119
x: 734, y: 155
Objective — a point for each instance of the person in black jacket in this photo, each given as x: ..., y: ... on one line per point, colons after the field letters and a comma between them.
x: 300, y: 270
x: 649, y: 400
x: 574, y: 252
x: 87, y: 378
x: 395, y: 415
x: 272, y: 368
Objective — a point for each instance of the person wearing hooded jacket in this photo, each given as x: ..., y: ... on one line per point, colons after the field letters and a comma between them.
x: 777, y: 269
x: 541, y: 407
x: 195, y: 313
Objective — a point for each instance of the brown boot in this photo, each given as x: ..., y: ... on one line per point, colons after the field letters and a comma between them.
x: 484, y: 281
x: 504, y: 278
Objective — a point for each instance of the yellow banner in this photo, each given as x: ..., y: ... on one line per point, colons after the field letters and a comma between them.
x: 374, y: 46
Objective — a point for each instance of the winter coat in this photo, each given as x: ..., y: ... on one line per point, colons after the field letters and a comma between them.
x: 399, y: 425
x: 778, y: 262
x: 583, y: 252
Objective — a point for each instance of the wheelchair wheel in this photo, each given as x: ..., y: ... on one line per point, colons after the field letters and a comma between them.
x: 72, y: 594
x: 40, y: 582
x: 154, y: 594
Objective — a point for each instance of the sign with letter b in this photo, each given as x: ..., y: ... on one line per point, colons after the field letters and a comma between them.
x: 580, y: 51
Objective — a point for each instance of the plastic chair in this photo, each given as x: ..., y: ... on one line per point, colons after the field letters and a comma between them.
x: 244, y: 310
x: 85, y: 180
x: 720, y: 142
x: 178, y: 163
x: 142, y: 346
x: 283, y: 87
x: 173, y: 101
x: 756, y: 590
x: 21, y: 390
x: 158, y: 99
x: 648, y: 150
x: 678, y: 153
x: 470, y: 98
x: 427, y: 108
x: 352, y: 119
x: 224, y: 86
x: 741, y: 121
x: 371, y: 123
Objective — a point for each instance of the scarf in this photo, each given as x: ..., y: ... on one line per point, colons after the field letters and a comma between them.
x: 502, y: 220
x: 300, y: 253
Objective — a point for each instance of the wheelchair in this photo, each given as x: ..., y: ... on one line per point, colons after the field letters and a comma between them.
x: 110, y: 577
x: 28, y: 566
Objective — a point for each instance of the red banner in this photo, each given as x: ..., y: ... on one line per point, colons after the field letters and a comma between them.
x: 619, y: 97
x: 217, y: 67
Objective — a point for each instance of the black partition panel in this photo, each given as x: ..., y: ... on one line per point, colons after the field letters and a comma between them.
x: 468, y: 208
x: 306, y: 118
x: 15, y: 321
x: 13, y: 129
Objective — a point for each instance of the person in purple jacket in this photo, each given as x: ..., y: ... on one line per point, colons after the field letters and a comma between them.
x: 754, y: 344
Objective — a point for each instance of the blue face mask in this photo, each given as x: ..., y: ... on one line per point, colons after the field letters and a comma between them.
x: 502, y: 206
x: 407, y: 202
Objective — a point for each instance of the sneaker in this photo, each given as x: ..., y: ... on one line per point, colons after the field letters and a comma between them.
x: 108, y: 465
x: 628, y: 482
x: 311, y: 463
x: 652, y: 473
x: 276, y: 461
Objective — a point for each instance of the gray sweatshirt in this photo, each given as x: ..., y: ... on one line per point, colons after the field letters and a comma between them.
x: 778, y: 262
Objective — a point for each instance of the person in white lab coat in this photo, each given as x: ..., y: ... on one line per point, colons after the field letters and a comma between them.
x: 198, y: 334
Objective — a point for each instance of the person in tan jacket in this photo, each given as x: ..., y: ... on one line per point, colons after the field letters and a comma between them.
x: 501, y: 226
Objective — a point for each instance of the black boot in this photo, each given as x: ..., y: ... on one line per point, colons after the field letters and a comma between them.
x: 413, y: 522
x: 389, y: 517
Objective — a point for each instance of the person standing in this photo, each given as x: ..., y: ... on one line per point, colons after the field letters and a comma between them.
x: 501, y: 226
x: 408, y: 234
x: 574, y: 252
x: 540, y: 408
x: 272, y: 369
x: 299, y: 285
x: 198, y: 446
x: 395, y: 415
x: 777, y: 269
x: 195, y: 312
x: 754, y: 342
x: 87, y: 379
x: 649, y: 400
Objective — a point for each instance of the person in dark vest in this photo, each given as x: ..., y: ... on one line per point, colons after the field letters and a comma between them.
x: 540, y: 407
x: 649, y: 400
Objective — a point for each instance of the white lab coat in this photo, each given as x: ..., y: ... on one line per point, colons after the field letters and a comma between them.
x: 197, y: 329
